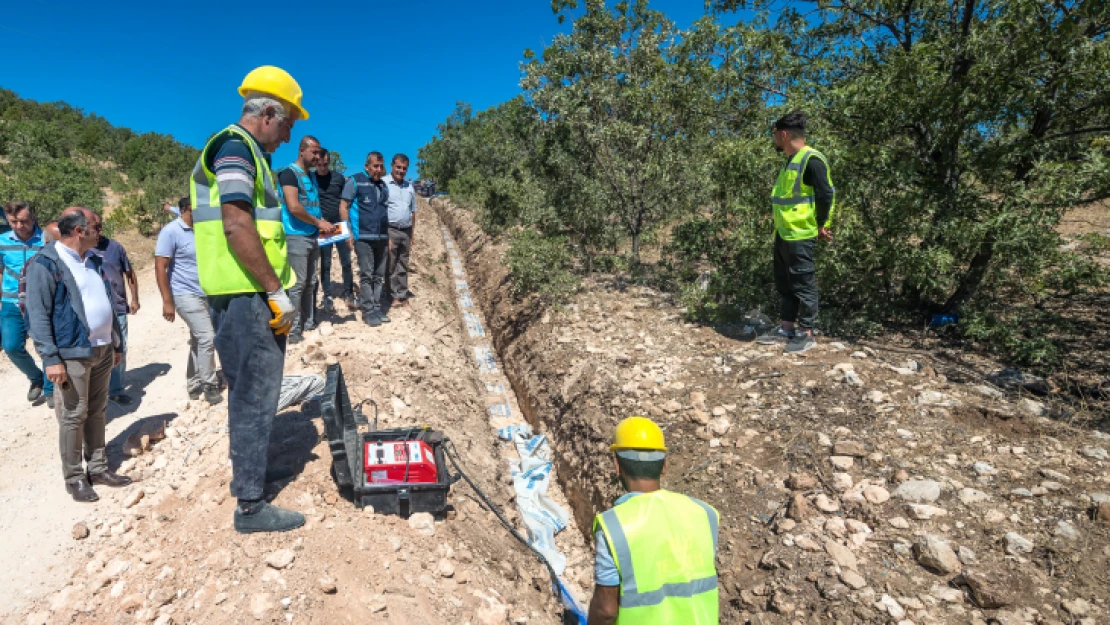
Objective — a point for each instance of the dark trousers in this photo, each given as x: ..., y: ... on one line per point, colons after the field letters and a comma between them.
x: 796, y: 280
x: 372, y: 256
x: 253, y: 358
x: 344, y: 263
x: 400, y: 244
x: 82, y: 413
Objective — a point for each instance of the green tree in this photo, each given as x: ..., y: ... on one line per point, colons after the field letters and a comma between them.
x: 337, y: 163
x: 614, y: 86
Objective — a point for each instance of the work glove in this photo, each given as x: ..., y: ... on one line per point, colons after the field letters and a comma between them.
x: 283, y: 311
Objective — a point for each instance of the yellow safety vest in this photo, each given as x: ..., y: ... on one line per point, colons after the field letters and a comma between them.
x: 793, y: 200
x: 664, y: 545
x: 218, y: 267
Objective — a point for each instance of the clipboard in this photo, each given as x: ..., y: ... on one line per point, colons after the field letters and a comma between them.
x: 343, y: 234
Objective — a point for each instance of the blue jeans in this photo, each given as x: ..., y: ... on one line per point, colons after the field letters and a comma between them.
x: 115, y: 387
x: 253, y: 358
x: 13, y: 334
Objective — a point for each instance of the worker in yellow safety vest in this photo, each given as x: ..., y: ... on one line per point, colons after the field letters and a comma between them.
x: 802, y: 202
x: 244, y: 272
x: 655, y: 550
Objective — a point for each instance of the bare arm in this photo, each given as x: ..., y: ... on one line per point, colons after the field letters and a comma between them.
x: 162, y: 277
x: 604, y: 606
x: 243, y: 239
x: 133, y: 284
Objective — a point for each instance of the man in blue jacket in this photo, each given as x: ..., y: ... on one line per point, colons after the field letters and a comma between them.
x: 17, y: 246
x: 70, y: 318
x: 367, y: 194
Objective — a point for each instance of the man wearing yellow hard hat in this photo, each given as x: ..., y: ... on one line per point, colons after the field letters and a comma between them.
x: 244, y: 271
x: 656, y: 550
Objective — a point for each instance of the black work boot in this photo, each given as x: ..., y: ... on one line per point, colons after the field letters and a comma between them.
x: 260, y: 516
x: 212, y: 395
x: 35, y: 392
x: 371, y: 318
x: 80, y: 489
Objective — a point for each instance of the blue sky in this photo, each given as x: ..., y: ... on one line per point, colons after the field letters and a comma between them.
x: 377, y: 78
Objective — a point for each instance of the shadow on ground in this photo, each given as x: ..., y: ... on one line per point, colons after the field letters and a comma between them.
x: 291, y: 443
x: 145, y: 424
x: 136, y: 383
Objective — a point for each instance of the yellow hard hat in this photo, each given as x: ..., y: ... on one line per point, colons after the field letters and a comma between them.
x: 276, y: 82
x: 638, y: 433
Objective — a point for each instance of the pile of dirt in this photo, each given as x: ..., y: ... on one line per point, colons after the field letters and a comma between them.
x: 164, y: 550
x: 855, y: 484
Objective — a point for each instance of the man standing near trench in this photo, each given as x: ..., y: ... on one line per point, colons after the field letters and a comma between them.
x: 655, y: 560
x: 243, y: 268
x: 802, y: 201
x: 303, y: 223
x: 363, y: 205
x: 331, y: 184
x: 402, y: 228
x: 175, y: 270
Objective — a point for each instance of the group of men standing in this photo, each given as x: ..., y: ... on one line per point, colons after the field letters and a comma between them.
x: 17, y: 247
x: 379, y: 211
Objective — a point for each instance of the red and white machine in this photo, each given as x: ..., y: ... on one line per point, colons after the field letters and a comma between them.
x: 399, y: 462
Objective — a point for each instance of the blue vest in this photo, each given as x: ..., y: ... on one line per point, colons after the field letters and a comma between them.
x: 369, y: 211
x: 14, y: 254
x: 310, y: 200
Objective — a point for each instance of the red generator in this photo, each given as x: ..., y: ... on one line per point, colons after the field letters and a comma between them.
x: 399, y: 462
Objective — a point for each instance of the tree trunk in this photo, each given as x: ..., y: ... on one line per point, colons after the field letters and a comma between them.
x: 969, y: 283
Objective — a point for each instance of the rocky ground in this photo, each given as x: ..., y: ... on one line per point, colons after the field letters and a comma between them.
x: 856, y: 484
x: 164, y: 551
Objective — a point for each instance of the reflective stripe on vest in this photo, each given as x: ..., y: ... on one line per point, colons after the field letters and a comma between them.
x: 793, y: 201
x: 676, y: 579
x: 15, y: 253
x: 218, y: 269
x: 308, y: 192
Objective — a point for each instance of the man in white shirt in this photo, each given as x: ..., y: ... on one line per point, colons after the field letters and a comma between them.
x: 70, y: 318
x: 402, y: 223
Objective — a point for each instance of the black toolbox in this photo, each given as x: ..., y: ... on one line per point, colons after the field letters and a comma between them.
x: 348, y: 431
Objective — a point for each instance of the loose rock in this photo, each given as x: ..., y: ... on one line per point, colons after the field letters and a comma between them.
x: 423, y: 523
x: 918, y: 491
x: 933, y: 553
x: 280, y: 559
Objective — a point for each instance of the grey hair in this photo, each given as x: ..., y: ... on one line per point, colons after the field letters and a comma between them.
x: 68, y: 223
x: 255, y: 104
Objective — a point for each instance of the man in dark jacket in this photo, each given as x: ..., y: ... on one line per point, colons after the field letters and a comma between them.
x: 70, y: 319
x: 364, y: 203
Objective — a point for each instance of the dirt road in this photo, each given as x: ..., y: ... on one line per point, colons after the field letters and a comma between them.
x: 36, y: 514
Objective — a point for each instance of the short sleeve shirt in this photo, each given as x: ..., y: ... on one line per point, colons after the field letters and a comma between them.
x: 605, y: 569
x: 330, y: 187
x: 116, y: 265
x: 235, y: 172
x: 401, y: 202
x: 177, y: 242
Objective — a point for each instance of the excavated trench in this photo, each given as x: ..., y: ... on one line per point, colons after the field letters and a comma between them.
x: 565, y: 413
x: 506, y: 411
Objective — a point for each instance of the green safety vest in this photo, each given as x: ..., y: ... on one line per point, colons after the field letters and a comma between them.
x: 218, y: 267
x: 664, y: 545
x: 793, y: 200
